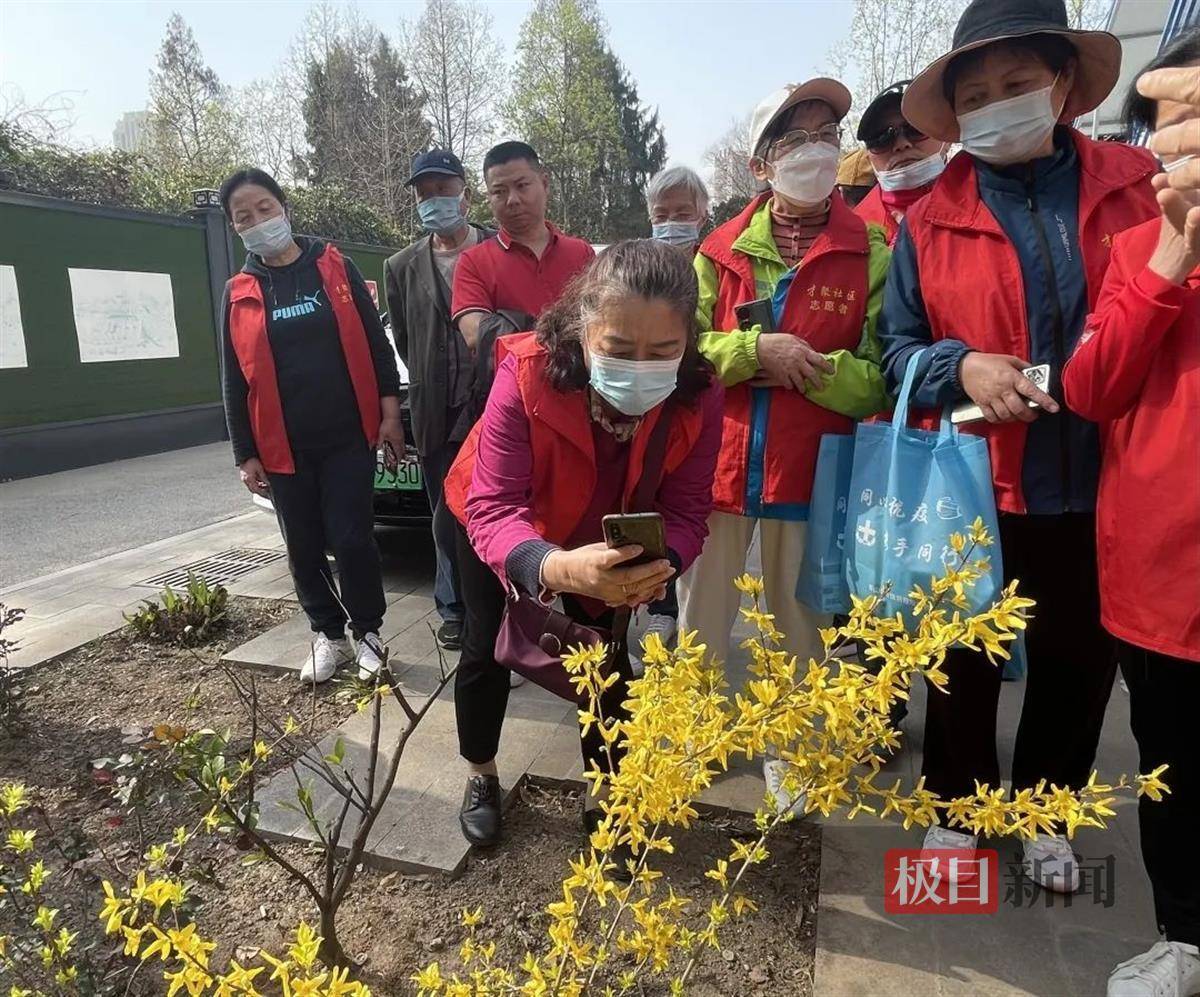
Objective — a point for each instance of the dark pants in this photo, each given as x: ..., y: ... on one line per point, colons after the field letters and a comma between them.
x: 435, y: 466
x: 481, y: 686
x: 1071, y: 668
x: 1163, y: 693
x: 327, y: 505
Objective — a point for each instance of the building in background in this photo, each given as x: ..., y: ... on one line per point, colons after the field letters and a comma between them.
x: 132, y: 131
x: 1144, y: 27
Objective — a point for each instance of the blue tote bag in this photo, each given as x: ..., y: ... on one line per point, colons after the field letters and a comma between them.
x: 822, y: 582
x: 909, y: 490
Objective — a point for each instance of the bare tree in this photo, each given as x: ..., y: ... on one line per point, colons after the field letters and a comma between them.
x: 49, y: 120
x: 1088, y: 15
x: 458, y: 67
x: 728, y: 160
x: 892, y: 40
x: 271, y: 125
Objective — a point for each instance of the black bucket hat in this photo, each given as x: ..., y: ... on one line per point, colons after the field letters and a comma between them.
x: 985, y: 21
x: 884, y: 101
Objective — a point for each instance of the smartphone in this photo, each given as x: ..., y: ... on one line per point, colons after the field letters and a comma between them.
x: 645, y: 529
x: 970, y: 412
x: 755, y: 313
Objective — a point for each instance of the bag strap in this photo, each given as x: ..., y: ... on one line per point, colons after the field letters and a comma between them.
x: 653, y: 460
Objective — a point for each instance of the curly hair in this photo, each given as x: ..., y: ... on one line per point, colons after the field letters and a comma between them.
x: 644, y: 268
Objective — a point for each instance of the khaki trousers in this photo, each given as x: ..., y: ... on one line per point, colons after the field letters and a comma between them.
x: 709, y: 603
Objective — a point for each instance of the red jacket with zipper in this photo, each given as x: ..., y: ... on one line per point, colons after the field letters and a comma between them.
x: 248, y: 333
x: 971, y: 275
x: 826, y: 305
x: 871, y: 209
x: 1136, y: 371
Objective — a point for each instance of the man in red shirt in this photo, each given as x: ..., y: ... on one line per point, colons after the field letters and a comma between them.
x: 527, y: 264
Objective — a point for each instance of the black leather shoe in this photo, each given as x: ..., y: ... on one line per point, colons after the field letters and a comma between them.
x: 622, y: 856
x: 480, y: 813
x: 449, y: 635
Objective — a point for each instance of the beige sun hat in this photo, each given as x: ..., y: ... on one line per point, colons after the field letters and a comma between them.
x: 772, y: 107
x: 985, y: 21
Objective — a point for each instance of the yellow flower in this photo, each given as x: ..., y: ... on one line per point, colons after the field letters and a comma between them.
x: 20, y: 841
x: 13, y: 797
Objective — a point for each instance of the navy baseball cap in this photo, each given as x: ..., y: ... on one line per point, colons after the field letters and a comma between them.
x: 436, y: 161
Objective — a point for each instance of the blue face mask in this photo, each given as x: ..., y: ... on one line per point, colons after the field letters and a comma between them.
x: 441, y: 214
x: 676, y: 233
x: 633, y: 387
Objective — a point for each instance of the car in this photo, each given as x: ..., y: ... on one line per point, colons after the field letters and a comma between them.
x: 400, y: 497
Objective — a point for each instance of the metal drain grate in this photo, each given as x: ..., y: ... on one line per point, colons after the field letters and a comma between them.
x: 219, y: 569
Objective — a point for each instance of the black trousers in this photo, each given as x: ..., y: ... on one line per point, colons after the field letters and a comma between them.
x: 1072, y: 664
x: 1163, y: 693
x: 327, y: 505
x: 481, y: 686
x: 435, y: 466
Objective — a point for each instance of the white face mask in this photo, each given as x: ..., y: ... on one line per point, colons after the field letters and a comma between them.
x: 807, y: 175
x: 914, y: 175
x: 633, y: 387
x: 1010, y: 131
x: 269, y: 238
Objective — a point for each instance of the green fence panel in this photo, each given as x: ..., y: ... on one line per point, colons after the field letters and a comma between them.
x: 42, y: 243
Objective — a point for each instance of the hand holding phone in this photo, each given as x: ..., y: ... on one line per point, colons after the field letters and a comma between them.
x: 643, y: 529
x: 1002, y: 389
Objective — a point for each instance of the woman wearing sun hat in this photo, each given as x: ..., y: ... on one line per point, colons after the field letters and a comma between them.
x: 995, y: 271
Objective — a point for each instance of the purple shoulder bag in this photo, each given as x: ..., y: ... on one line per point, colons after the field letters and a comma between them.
x: 533, y: 637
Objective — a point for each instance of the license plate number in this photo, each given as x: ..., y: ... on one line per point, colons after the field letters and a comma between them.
x: 405, y: 477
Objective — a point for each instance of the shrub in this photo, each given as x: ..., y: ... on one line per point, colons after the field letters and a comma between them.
x: 190, y: 617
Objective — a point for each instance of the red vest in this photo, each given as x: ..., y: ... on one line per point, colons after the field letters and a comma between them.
x: 871, y: 210
x: 560, y: 436
x: 248, y: 333
x: 826, y: 305
x: 971, y: 274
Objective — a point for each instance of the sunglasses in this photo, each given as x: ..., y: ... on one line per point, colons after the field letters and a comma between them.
x: 886, y: 139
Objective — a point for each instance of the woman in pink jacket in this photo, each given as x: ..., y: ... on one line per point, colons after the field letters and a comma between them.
x: 1136, y: 372
x: 561, y: 444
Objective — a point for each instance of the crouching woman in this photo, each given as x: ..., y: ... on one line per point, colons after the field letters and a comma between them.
x: 562, y: 444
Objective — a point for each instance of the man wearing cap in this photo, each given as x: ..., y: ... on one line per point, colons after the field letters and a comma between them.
x: 993, y: 272
x: 800, y: 361
x: 906, y: 162
x: 418, y: 280
x: 527, y: 264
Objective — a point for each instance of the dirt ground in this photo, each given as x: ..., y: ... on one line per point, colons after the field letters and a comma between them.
x: 97, y: 700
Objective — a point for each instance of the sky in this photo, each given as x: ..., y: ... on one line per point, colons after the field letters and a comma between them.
x: 702, y: 63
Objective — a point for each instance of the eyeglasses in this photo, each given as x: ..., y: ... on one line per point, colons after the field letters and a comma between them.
x: 801, y: 136
x: 886, y: 139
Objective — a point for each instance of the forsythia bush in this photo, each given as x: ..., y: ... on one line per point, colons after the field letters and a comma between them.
x: 828, y: 719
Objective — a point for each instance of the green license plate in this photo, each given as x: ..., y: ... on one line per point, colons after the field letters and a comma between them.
x: 406, y: 477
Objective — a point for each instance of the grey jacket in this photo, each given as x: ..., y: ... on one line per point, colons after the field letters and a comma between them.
x: 440, y: 370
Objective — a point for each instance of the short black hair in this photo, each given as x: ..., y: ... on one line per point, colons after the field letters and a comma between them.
x: 509, y: 152
x: 1054, y: 51
x: 1141, y: 113
x: 250, y: 174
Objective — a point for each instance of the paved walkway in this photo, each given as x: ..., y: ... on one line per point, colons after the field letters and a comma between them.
x: 1034, y: 949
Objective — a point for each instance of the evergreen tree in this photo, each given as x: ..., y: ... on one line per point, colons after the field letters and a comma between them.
x: 641, y: 153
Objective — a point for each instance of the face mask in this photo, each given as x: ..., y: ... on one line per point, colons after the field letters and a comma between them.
x: 914, y: 175
x: 1012, y: 130
x: 441, y: 214
x: 633, y: 387
x: 808, y: 174
x: 269, y: 238
x: 676, y: 233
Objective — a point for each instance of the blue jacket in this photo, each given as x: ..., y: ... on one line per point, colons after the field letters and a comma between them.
x: 1036, y: 204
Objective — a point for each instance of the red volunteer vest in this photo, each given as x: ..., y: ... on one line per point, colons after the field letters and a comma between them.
x: 248, y: 332
x: 971, y: 275
x: 560, y: 436
x: 826, y: 305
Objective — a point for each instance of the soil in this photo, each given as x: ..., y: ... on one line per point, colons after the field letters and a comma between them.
x: 105, y: 696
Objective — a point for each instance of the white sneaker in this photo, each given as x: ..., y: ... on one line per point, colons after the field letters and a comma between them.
x: 1050, y: 862
x: 515, y: 680
x: 368, y: 658
x: 324, y: 658
x: 940, y: 839
x: 656, y: 623
x: 1169, y: 969
x: 775, y: 770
